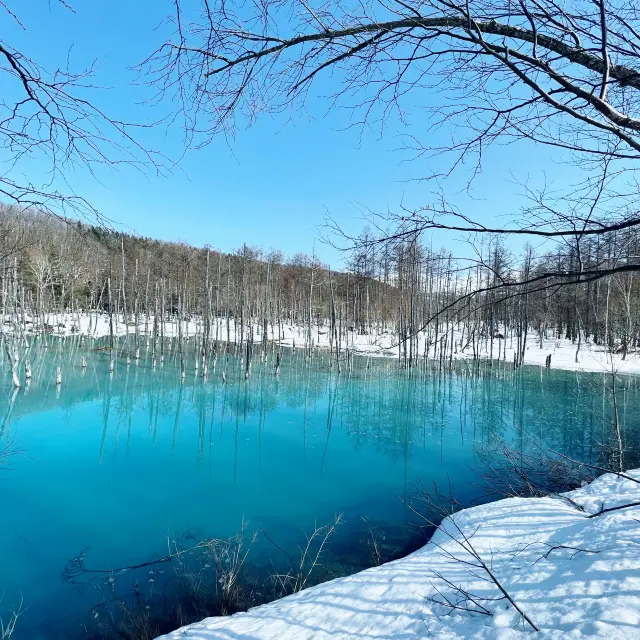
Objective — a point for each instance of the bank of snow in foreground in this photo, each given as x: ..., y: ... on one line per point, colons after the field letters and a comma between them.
x: 574, y: 576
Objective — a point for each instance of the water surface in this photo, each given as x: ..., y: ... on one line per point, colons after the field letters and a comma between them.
x: 114, y: 462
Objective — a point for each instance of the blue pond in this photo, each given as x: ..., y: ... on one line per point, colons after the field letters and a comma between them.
x: 113, y: 463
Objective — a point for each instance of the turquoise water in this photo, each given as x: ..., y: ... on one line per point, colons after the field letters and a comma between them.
x: 115, y: 462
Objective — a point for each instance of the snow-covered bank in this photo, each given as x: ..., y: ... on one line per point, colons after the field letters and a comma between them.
x: 591, y: 357
x: 572, y: 575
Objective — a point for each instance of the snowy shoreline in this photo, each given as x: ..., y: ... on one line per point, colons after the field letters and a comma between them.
x: 574, y: 576
x: 591, y: 358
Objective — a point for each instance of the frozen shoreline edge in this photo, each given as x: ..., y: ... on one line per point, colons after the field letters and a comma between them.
x: 562, y: 351
x: 593, y: 592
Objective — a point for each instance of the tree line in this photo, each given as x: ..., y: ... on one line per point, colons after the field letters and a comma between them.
x: 429, y: 302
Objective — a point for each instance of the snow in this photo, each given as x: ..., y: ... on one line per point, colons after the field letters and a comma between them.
x: 563, y: 352
x: 591, y: 590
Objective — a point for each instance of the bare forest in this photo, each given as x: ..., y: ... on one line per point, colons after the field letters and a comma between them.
x: 402, y: 288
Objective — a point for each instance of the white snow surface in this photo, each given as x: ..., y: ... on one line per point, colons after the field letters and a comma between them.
x: 591, y: 357
x: 589, y: 593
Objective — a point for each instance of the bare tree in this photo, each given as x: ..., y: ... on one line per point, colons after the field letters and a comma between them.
x: 564, y: 75
x: 45, y: 113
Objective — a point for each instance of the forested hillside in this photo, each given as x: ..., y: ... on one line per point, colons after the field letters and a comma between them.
x: 400, y: 286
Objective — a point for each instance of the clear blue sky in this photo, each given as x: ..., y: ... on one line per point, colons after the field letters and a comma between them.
x: 270, y: 187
